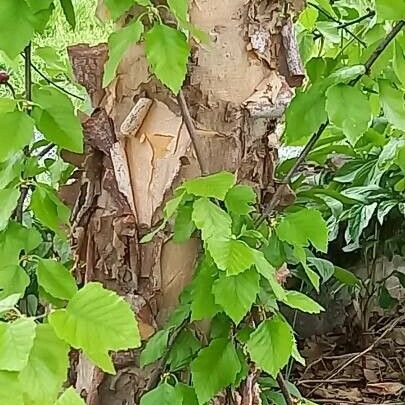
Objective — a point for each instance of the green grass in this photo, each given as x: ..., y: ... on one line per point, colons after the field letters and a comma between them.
x: 88, y: 30
x: 58, y: 36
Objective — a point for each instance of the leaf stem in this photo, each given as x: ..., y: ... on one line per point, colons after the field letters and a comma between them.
x: 315, y: 137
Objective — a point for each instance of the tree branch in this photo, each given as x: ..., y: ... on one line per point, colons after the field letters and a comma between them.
x: 191, y: 129
x: 314, y: 139
x: 332, y: 18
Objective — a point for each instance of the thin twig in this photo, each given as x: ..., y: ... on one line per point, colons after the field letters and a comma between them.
x: 50, y: 81
x: 336, y: 381
x: 314, y: 139
x: 191, y: 129
x: 331, y: 17
x: 370, y: 14
x: 284, y: 390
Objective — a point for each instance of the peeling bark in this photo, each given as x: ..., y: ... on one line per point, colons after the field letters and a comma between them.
x: 138, y: 149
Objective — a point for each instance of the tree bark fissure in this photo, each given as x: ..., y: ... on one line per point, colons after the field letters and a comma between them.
x: 138, y: 149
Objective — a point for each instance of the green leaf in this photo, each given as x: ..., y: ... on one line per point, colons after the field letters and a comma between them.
x: 399, y: 62
x: 167, y: 52
x: 390, y: 10
x: 10, y: 391
x: 304, y: 115
x: 324, y: 267
x: 360, y: 217
x: 296, y: 355
x: 9, y: 302
x: 269, y: 273
x: 70, y: 397
x: 16, y: 28
x: 173, y: 205
x: 188, y: 394
x: 118, y: 43
x: 385, y: 299
x: 308, y: 18
x: 203, y: 304
x: 236, y: 294
x: 16, y: 340
x: 49, y: 210
x: 16, y: 130
x: 384, y: 209
x: 183, y: 350
x: 393, y: 104
x: 183, y: 224
x: 163, y: 394
x: 13, y: 280
x: 300, y: 254
x: 14, y: 240
x: 155, y: 347
x: 354, y: 124
x: 239, y: 200
x: 271, y: 345
x: 118, y: 7
x: 216, y: 185
x: 7, y: 105
x: 179, y: 8
x: 343, y: 75
x: 211, y: 220
x: 9, y: 199
x: 69, y: 12
x: 97, y: 320
x: 215, y: 368
x: 56, y: 119
x: 55, y: 279
x: 230, y: 255
x: 304, y: 226
x: 45, y: 372
x: 399, y: 275
x: 325, y: 5
x: 346, y: 277
x: 297, y: 300
x: 42, y: 11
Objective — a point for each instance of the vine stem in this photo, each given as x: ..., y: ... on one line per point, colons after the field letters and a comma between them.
x: 315, y: 137
x: 28, y: 96
x: 50, y: 81
x: 370, y: 14
x: 331, y: 17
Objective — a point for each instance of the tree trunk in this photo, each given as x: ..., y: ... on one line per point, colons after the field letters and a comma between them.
x: 138, y: 149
